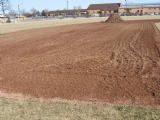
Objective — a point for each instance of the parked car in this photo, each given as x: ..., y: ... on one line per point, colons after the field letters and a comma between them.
x: 132, y: 13
x: 94, y: 15
x: 151, y: 13
x: 146, y: 13
x: 155, y: 13
x: 106, y: 14
x: 119, y: 13
x: 123, y: 14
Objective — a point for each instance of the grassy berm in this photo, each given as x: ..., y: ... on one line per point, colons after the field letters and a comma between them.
x: 13, y: 109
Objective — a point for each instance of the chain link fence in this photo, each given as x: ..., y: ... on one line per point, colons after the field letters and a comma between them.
x: 41, y: 18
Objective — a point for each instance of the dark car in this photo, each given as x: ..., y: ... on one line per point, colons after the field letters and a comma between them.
x: 123, y: 14
x: 146, y: 13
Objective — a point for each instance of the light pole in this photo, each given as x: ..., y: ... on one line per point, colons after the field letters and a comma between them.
x: 67, y: 6
x: 19, y: 11
x: 22, y: 9
x: 126, y: 6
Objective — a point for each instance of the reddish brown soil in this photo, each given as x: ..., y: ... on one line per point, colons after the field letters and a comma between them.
x: 114, y: 18
x: 114, y: 63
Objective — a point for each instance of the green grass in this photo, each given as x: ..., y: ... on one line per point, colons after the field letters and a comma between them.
x: 13, y: 109
x: 13, y: 27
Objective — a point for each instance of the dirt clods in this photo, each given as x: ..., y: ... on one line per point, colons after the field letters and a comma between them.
x: 98, y: 63
x: 114, y: 18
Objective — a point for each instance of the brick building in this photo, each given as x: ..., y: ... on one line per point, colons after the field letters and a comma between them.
x: 111, y: 8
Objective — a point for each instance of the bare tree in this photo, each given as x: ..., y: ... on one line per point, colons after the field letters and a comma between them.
x: 33, y: 11
x: 74, y: 7
x: 79, y: 7
x: 23, y: 11
x: 46, y: 11
x: 4, y: 4
x: 12, y: 13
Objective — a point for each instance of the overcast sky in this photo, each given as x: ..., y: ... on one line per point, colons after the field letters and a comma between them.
x: 61, y: 4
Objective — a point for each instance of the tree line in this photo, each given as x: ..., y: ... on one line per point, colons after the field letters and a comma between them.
x: 5, y: 5
x: 32, y: 12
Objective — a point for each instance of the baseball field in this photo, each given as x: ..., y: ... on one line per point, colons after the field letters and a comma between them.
x: 80, y: 69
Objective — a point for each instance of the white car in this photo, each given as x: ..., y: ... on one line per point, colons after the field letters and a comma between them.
x: 151, y: 13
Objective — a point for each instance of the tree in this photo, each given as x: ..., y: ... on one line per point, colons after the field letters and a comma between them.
x: 23, y: 11
x: 33, y: 11
x: 27, y: 14
x: 12, y: 13
x: 4, y: 4
x: 37, y: 13
x: 8, y: 21
x: 43, y: 13
x: 79, y: 7
x: 46, y: 11
x: 87, y: 15
x: 100, y: 14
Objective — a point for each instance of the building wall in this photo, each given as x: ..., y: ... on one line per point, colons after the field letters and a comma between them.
x: 96, y: 11
x: 93, y: 11
x: 143, y: 10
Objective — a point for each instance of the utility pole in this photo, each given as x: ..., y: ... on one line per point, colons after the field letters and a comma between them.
x: 22, y: 9
x: 67, y: 6
x: 3, y: 10
x: 18, y: 11
x: 126, y: 6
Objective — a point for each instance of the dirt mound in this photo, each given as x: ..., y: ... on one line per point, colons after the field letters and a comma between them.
x: 106, y: 63
x: 114, y: 18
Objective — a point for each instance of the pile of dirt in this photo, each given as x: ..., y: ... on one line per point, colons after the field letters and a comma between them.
x: 114, y: 18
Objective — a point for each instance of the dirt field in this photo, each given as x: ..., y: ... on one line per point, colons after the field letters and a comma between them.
x: 116, y: 63
x: 14, y: 27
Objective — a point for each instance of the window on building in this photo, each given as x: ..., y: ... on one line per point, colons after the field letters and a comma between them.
x: 149, y: 8
x: 93, y: 11
x: 155, y: 8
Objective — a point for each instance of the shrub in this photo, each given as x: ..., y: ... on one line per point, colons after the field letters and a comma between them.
x: 128, y: 14
x: 87, y: 15
x: 141, y: 13
x: 74, y: 16
x: 100, y: 14
x: 8, y: 21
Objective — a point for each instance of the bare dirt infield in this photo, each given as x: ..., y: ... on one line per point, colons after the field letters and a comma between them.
x: 98, y: 62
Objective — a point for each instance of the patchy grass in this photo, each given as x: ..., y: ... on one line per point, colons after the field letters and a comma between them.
x: 158, y: 26
x: 13, y: 27
x: 13, y: 109
x: 141, y: 17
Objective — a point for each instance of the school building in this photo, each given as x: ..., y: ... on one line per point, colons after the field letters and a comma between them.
x: 111, y: 8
